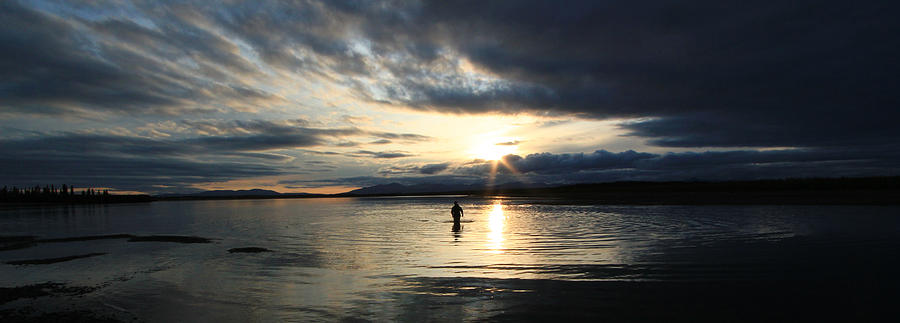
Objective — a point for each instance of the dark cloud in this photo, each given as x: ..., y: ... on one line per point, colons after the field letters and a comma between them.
x: 548, y: 163
x: 433, y: 168
x: 604, y: 166
x: 129, y: 163
x: 178, y: 39
x: 426, y: 169
x: 711, y: 73
x: 401, y: 136
x: 380, y: 154
x: 712, y: 165
x: 210, y: 152
x: 816, y: 78
x: 146, y: 173
x: 362, y: 181
x: 268, y: 156
x: 268, y: 135
x: 50, y: 65
x: 214, y: 137
x: 706, y: 73
x: 307, y: 24
x: 554, y: 163
x: 256, y: 142
x: 508, y: 143
x: 847, y: 129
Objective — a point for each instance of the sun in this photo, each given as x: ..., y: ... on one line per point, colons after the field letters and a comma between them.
x: 494, y: 149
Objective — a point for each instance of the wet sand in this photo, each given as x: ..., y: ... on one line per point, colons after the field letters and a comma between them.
x: 46, y: 261
x: 67, y: 300
x: 248, y: 250
x: 16, y: 242
x: 516, y: 300
x: 23, y: 242
x: 710, y: 301
x: 20, y: 242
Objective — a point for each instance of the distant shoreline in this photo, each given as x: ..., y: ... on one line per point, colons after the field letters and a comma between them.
x: 816, y: 191
x: 813, y: 191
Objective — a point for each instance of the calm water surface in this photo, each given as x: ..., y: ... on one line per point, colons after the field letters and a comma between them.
x: 398, y: 259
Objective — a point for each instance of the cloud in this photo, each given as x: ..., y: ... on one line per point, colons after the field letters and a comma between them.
x: 508, y: 143
x: 554, y: 163
x: 814, y: 79
x: 362, y: 181
x: 700, y: 73
x: 280, y: 134
x: 268, y: 156
x: 602, y: 165
x: 423, y: 169
x: 324, y: 153
x: 191, y: 152
x: 380, y: 154
x: 433, y: 168
x: 400, y: 136
x: 146, y: 173
x: 256, y: 142
x: 605, y: 166
x: 709, y: 73
x: 202, y: 137
x: 356, y: 119
x: 56, y: 66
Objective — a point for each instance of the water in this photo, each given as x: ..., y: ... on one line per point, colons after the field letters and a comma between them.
x: 397, y: 258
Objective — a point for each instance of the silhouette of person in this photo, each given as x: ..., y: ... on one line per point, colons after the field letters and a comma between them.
x: 457, y: 212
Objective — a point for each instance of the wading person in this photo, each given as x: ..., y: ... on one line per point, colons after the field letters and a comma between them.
x: 456, y: 212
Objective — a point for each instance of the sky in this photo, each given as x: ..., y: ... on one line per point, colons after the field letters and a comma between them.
x: 324, y: 97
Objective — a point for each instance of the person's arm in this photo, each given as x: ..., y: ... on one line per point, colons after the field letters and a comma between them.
x: 461, y: 212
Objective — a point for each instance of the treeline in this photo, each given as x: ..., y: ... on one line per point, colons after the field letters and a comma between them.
x: 64, y: 194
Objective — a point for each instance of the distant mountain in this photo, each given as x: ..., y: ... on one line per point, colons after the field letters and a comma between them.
x: 392, y: 188
x: 383, y: 189
x: 519, y: 185
x: 253, y: 192
x: 226, y: 193
x: 397, y: 188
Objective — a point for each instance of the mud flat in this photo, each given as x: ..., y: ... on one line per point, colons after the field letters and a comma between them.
x: 248, y: 250
x: 53, y: 260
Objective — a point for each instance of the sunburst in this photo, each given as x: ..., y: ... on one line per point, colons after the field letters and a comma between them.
x: 493, y: 150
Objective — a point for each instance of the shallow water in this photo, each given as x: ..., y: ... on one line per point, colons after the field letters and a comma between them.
x: 398, y: 259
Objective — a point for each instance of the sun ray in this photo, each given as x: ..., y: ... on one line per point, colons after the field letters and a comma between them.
x: 493, y: 174
x: 508, y: 165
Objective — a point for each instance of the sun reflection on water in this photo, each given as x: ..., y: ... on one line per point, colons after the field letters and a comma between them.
x: 496, y: 220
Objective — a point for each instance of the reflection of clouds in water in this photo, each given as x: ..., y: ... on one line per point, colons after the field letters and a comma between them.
x: 496, y: 220
x: 332, y: 257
